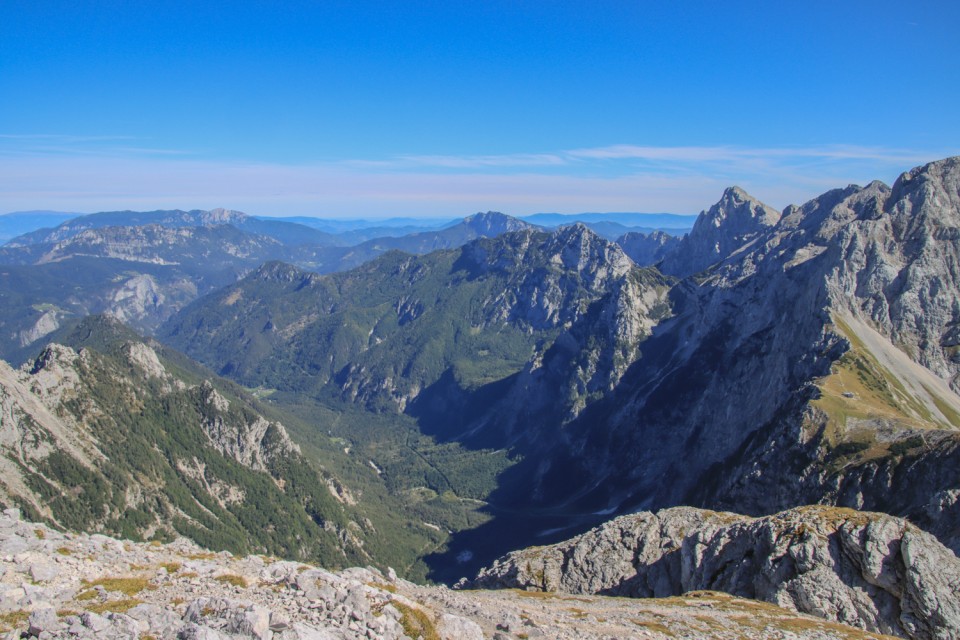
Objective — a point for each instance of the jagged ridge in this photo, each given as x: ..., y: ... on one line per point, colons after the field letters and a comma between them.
x: 868, y: 570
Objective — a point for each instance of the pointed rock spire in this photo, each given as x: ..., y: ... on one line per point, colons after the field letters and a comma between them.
x: 736, y: 220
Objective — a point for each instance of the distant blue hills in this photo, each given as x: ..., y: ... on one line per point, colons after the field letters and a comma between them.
x: 610, y: 225
x: 662, y: 221
x: 21, y: 222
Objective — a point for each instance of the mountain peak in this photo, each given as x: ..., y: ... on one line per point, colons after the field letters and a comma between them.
x: 936, y: 184
x: 222, y: 216
x: 739, y: 206
x: 736, y: 220
x: 494, y: 223
x: 735, y: 192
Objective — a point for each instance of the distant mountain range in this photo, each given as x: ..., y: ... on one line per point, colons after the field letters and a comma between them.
x: 21, y: 222
x: 145, y: 270
x: 670, y: 222
x: 346, y: 232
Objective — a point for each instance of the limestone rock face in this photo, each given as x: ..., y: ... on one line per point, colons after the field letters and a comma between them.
x: 45, y: 325
x: 494, y: 223
x: 548, y: 274
x: 728, y: 227
x: 868, y: 570
x: 256, y: 443
x: 647, y: 249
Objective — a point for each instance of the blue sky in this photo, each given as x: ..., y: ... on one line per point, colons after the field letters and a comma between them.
x: 445, y: 108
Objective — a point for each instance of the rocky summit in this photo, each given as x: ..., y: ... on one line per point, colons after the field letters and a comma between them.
x: 869, y: 570
x: 80, y: 586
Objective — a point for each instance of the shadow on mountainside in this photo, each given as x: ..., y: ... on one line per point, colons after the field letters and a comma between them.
x: 570, y: 475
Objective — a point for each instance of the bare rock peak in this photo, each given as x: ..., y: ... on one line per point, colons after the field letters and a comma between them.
x: 494, y: 223
x: 222, y: 216
x: 734, y: 222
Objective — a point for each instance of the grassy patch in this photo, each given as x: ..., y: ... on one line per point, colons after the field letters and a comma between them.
x: 768, y: 618
x: 12, y: 619
x: 115, y: 606
x: 860, y: 387
x: 171, y: 567
x: 537, y: 595
x: 232, y: 579
x: 128, y: 586
x: 547, y: 595
x: 952, y: 416
x: 416, y: 623
x: 653, y: 625
x: 383, y: 586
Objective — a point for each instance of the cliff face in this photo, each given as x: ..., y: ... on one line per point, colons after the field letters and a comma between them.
x: 727, y: 228
x: 868, y: 570
x: 647, y: 249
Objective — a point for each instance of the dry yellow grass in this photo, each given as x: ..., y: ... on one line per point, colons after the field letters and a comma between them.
x: 128, y: 586
x: 231, y: 579
x: 12, y: 619
x: 115, y: 606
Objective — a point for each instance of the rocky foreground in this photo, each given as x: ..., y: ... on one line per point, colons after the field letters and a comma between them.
x: 57, y: 585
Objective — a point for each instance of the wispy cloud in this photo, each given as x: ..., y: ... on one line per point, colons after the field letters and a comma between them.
x: 812, y: 165
x: 114, y: 172
x: 733, y: 153
x: 491, y: 161
x: 57, y: 144
x: 60, y: 137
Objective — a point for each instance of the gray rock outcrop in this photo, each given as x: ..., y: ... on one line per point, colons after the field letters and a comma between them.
x: 647, y: 249
x: 868, y: 570
x: 727, y: 228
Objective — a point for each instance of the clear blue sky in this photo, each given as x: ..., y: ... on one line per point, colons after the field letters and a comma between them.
x: 445, y: 108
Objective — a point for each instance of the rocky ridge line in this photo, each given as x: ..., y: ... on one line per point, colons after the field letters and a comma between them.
x: 869, y: 570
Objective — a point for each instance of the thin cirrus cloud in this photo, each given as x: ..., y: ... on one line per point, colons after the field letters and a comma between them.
x: 680, y: 154
x: 114, y: 172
